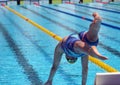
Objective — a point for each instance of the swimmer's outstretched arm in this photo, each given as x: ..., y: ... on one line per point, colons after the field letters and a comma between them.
x: 57, y: 58
x: 83, y: 47
x: 94, y: 52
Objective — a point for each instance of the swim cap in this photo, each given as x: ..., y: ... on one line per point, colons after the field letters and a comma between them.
x: 71, y: 60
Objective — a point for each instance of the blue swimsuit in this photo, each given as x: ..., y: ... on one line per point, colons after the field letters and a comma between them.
x: 68, y: 45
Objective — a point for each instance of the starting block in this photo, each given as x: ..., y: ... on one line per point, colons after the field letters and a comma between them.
x: 107, y: 78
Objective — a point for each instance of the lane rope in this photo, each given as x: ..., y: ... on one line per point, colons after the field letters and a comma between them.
x: 96, y: 61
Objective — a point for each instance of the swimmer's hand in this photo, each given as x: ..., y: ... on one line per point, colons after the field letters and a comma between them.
x: 48, y: 83
x: 103, y: 57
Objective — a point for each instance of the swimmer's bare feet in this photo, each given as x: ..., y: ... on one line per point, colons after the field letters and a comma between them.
x: 96, y: 17
x: 48, y: 83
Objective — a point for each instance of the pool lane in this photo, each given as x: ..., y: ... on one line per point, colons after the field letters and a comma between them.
x: 88, y: 19
x: 70, y: 22
x: 113, y: 11
x: 106, y: 6
x: 32, y: 76
x: 104, y: 27
x: 20, y: 58
x: 115, y: 4
x: 9, y: 72
x: 83, y: 11
x: 107, y: 28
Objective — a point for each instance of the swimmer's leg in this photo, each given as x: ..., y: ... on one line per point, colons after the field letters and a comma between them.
x: 84, y: 62
x: 92, y: 34
x: 57, y: 58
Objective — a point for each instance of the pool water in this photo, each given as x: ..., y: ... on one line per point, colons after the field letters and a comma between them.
x: 26, y: 53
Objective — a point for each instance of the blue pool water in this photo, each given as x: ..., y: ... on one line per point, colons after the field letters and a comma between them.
x: 26, y: 53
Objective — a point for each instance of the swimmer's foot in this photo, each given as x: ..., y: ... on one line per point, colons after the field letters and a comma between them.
x: 48, y: 83
x: 96, y: 17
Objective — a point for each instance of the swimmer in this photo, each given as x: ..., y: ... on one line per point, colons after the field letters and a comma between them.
x: 78, y: 45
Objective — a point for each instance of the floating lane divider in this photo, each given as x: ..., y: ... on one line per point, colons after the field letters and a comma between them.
x: 92, y: 59
x: 33, y: 23
x: 112, y: 3
x: 81, y: 17
x: 98, y: 8
x: 94, y: 7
